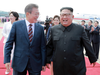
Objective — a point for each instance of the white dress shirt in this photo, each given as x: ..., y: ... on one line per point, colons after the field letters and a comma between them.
x: 27, y: 24
x: 6, y: 30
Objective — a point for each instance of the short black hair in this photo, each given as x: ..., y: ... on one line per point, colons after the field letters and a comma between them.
x: 15, y: 14
x: 69, y: 8
x: 91, y: 21
x: 97, y: 22
x: 83, y: 21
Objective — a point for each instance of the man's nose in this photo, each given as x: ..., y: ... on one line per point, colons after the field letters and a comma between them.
x: 65, y: 16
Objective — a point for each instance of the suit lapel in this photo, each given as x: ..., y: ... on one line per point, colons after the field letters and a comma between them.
x: 24, y: 28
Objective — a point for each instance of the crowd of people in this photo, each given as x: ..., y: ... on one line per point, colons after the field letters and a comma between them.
x: 92, y: 31
x: 60, y: 49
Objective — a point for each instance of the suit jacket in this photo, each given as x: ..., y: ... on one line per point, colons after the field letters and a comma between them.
x: 24, y: 51
x: 95, y: 35
x: 48, y: 34
x: 88, y: 29
x: 68, y: 45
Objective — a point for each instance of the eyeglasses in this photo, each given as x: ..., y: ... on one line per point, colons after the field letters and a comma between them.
x: 67, y: 14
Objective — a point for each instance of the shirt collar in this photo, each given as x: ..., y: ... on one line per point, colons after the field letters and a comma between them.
x: 27, y: 22
x: 96, y: 26
x: 68, y: 28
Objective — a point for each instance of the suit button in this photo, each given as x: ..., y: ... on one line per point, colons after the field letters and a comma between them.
x: 64, y: 50
x: 64, y: 42
x: 64, y: 57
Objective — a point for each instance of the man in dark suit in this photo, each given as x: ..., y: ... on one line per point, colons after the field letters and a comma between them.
x: 66, y: 43
x: 85, y: 26
x: 30, y: 51
x: 88, y: 29
x: 95, y: 38
x: 83, y: 23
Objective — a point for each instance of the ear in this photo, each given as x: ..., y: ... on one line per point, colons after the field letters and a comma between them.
x: 27, y: 13
x: 15, y: 18
x: 73, y: 16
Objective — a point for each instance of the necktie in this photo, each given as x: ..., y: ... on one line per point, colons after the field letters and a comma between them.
x: 30, y: 33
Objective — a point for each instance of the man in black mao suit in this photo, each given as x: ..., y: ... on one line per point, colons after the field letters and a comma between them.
x: 95, y: 38
x: 66, y: 43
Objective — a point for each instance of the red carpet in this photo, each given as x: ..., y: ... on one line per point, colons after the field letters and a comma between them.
x: 90, y: 70
x: 2, y: 66
x: 1, y: 27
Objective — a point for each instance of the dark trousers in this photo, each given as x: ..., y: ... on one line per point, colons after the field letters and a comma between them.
x: 96, y: 49
x: 29, y: 69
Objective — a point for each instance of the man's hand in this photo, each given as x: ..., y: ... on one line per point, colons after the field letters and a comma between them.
x: 84, y: 27
x: 43, y: 68
x: 92, y: 29
x: 7, y: 65
x: 48, y: 66
x: 93, y: 64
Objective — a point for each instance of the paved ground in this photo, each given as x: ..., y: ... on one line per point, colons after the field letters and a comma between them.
x: 1, y: 25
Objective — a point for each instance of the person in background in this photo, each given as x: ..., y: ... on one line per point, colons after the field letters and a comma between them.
x: 95, y: 38
x: 65, y: 43
x: 51, y: 21
x: 88, y: 29
x: 47, y: 25
x: 30, y: 46
x: 56, y: 21
x: 13, y: 16
x: 83, y: 24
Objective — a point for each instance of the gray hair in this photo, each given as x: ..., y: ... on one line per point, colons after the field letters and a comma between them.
x: 29, y: 7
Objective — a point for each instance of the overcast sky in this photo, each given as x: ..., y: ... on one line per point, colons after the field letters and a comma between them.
x: 52, y: 7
